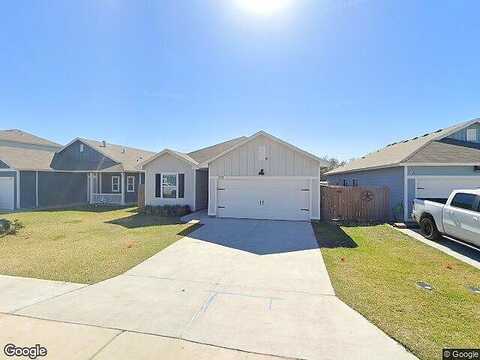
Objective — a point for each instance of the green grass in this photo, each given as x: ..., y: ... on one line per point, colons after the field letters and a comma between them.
x: 374, y: 269
x: 84, y: 245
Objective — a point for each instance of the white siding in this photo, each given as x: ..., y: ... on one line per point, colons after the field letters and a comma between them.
x: 169, y: 163
x: 281, y: 161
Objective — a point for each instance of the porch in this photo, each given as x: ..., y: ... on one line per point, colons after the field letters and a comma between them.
x: 113, y: 188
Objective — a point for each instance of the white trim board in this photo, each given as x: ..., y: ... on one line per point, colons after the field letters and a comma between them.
x: 18, y: 188
x: 134, y: 180
x: 115, y: 177
x: 443, y: 176
x: 442, y: 164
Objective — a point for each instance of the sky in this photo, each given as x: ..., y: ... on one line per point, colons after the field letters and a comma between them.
x: 335, y: 77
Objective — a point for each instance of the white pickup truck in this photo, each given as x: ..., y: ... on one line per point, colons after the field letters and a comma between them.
x: 458, y: 217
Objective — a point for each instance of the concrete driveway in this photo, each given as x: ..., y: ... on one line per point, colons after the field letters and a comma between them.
x: 256, y: 286
x: 468, y: 253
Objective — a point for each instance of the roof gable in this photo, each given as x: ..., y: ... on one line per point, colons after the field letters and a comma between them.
x: 176, y: 154
x: 130, y: 158
x: 271, y: 137
x: 195, y: 158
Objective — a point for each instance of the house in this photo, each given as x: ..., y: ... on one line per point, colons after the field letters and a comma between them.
x: 260, y: 177
x: 427, y: 166
x: 38, y: 173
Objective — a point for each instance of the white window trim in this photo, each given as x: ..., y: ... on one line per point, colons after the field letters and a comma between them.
x: 472, y: 132
x: 133, y: 184
x: 82, y: 147
x: 161, y: 185
x: 118, y: 184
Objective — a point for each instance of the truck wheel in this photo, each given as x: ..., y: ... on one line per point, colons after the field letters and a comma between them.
x: 429, y: 229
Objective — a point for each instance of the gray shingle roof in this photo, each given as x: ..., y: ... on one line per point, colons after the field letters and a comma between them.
x: 22, y: 150
x: 24, y: 158
x: 209, y: 152
x: 408, y: 151
x: 128, y: 157
x: 22, y: 137
x: 444, y: 152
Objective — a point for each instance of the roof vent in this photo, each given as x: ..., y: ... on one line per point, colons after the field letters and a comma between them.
x: 104, y: 143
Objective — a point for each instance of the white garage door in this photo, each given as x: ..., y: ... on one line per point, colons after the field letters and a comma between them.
x: 440, y: 188
x: 275, y: 199
x: 6, y: 193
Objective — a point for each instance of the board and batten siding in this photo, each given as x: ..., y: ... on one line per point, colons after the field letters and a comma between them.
x: 280, y: 160
x: 392, y: 178
x: 72, y: 159
x: 169, y: 164
x: 462, y: 134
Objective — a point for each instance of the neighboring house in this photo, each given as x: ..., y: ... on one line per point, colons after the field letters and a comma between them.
x: 427, y: 166
x: 259, y: 177
x: 37, y: 173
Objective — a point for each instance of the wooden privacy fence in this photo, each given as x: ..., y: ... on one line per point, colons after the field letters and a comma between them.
x: 365, y: 204
x: 141, y: 196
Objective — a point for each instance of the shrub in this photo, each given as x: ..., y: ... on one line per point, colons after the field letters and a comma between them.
x: 9, y: 227
x: 168, y: 210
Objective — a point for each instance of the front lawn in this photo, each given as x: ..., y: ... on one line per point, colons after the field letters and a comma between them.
x: 84, y: 245
x: 374, y: 269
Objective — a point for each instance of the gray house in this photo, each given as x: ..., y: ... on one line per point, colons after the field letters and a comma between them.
x: 427, y: 166
x: 37, y: 173
x: 259, y: 177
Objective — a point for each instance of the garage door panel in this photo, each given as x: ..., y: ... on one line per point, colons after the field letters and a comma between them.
x: 264, y: 199
x: 441, y: 188
x: 7, y: 193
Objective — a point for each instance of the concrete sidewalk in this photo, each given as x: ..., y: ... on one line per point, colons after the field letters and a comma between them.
x: 17, y: 293
x: 81, y: 342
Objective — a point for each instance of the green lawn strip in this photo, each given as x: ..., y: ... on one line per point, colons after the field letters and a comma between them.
x: 84, y: 245
x: 374, y: 269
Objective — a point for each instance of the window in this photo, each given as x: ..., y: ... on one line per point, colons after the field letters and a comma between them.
x: 130, y: 183
x: 115, y: 183
x: 169, y: 186
x: 81, y: 148
x: 464, y: 201
x: 355, y: 182
x: 472, y: 135
x: 345, y: 182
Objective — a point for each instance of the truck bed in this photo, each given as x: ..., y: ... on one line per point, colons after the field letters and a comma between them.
x: 437, y: 200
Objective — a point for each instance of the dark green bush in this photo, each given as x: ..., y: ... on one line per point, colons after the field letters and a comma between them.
x: 168, y: 210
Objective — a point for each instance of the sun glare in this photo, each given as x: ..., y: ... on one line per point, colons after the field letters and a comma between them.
x: 263, y: 7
